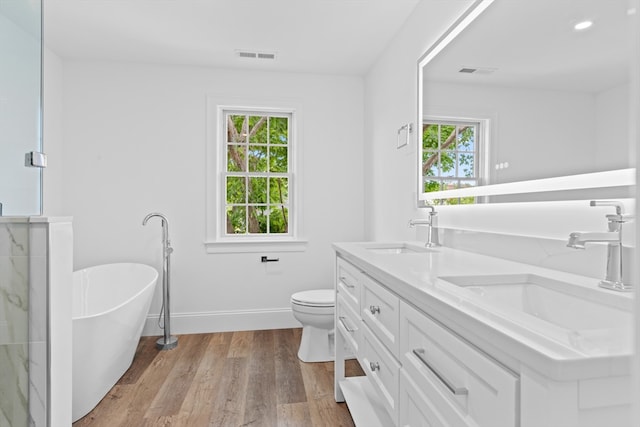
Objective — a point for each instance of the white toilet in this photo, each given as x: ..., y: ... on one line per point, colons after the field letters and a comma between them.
x: 315, y: 310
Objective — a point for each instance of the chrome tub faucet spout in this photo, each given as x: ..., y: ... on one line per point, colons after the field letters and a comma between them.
x: 613, y: 237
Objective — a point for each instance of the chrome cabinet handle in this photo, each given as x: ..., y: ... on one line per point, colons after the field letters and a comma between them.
x: 344, y: 280
x: 374, y: 309
x: 458, y: 391
x: 341, y: 318
x: 374, y: 366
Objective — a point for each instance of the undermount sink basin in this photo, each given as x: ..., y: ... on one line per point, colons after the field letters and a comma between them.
x: 396, y: 248
x: 558, y: 303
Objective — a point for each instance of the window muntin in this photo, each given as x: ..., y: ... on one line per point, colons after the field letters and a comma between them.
x: 450, y: 157
x: 258, y: 173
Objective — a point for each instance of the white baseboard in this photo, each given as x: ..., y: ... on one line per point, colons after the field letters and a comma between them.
x: 223, y: 321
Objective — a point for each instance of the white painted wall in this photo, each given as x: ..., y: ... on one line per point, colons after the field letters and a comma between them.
x: 390, y: 102
x: 612, y: 128
x: 52, y: 137
x: 135, y: 143
x: 391, y: 174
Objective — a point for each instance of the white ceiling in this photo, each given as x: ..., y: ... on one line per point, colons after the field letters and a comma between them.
x: 319, y: 36
x: 533, y: 44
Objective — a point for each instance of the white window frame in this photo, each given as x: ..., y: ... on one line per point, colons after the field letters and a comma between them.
x: 217, y: 240
x: 483, y: 151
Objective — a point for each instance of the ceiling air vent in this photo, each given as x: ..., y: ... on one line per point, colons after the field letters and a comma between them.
x: 477, y: 70
x: 255, y: 55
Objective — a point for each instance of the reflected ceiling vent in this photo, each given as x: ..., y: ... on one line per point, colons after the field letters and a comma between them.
x: 255, y: 55
x: 477, y: 70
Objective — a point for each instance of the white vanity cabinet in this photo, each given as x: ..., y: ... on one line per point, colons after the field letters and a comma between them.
x: 435, y: 354
x: 461, y: 385
x: 366, y: 320
x: 347, y: 316
x: 418, y: 373
x: 380, y: 345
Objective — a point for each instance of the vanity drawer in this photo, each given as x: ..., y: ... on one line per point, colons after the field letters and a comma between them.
x: 380, y: 311
x: 349, y: 282
x: 416, y: 410
x: 349, y: 323
x: 467, y: 386
x: 382, y: 370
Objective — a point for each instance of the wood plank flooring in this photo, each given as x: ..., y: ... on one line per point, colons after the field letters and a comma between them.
x: 229, y: 379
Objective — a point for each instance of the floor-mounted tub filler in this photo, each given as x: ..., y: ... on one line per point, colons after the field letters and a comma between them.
x: 110, y: 305
x: 166, y: 342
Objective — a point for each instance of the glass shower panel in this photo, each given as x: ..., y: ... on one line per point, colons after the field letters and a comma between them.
x: 20, y: 197
x: 20, y: 105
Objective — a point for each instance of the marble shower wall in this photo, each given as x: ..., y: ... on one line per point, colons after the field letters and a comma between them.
x: 14, y: 323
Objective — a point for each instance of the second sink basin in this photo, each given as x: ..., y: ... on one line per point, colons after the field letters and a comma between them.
x: 396, y: 248
x: 561, y: 304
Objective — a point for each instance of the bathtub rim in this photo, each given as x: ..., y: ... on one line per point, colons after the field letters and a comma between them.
x: 128, y: 300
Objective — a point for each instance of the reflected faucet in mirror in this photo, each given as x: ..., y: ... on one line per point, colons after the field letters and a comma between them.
x: 431, y: 222
x: 613, y: 237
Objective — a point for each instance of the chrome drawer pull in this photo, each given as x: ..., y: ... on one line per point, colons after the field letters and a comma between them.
x: 344, y: 280
x: 458, y: 391
x: 374, y: 309
x: 374, y: 366
x: 341, y: 318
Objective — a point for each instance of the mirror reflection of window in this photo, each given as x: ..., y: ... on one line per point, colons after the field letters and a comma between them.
x: 560, y: 98
x: 451, y: 157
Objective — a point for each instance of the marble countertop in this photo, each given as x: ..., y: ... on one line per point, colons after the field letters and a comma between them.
x: 511, y: 336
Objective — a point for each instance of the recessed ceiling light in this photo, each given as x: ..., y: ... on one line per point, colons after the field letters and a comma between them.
x: 583, y: 25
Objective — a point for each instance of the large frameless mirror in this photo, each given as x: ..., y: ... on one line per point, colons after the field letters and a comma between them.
x: 529, y: 99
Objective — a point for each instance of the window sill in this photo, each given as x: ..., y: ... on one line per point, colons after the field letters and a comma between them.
x: 255, y: 246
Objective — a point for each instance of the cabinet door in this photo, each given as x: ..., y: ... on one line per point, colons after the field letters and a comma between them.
x: 382, y: 370
x: 380, y: 311
x: 471, y: 388
x: 416, y: 410
x: 349, y: 324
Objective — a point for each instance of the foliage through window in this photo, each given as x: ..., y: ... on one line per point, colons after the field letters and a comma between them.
x: 257, y: 173
x: 450, y: 157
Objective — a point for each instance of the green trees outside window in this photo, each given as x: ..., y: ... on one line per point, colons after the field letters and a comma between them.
x: 449, y: 158
x: 257, y: 175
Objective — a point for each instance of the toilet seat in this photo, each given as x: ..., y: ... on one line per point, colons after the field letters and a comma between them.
x: 314, y: 298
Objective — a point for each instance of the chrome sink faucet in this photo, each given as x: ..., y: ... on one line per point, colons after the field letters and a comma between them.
x: 613, y: 237
x: 431, y: 222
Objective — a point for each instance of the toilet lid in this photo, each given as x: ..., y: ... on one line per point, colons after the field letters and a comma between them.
x: 316, y: 297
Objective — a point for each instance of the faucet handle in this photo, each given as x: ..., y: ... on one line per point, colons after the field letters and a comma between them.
x: 426, y: 205
x: 618, y: 205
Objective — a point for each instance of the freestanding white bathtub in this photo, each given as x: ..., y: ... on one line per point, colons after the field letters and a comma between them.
x: 110, y: 305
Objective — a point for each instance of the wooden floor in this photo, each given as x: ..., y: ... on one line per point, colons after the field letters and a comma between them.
x: 250, y: 378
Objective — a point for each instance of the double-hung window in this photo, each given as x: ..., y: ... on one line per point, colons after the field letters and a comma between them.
x: 257, y: 176
x: 451, y: 157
